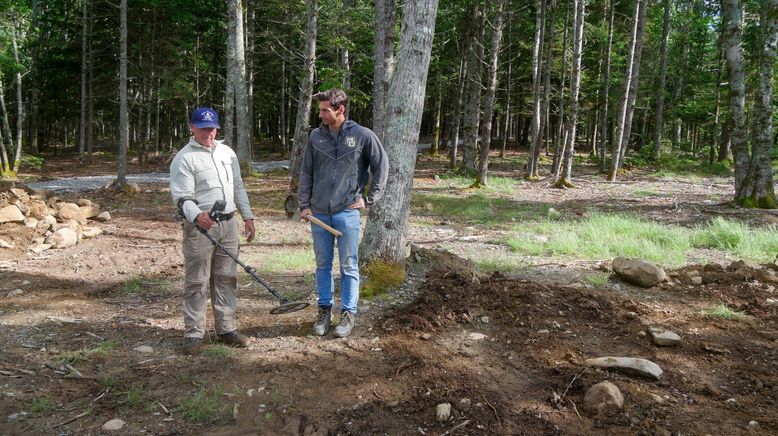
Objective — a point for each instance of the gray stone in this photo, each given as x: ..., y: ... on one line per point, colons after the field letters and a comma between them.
x: 70, y: 211
x: 103, y: 216
x: 143, y: 349
x: 697, y: 280
x: 638, y: 271
x: 90, y: 211
x: 465, y: 404
x: 39, y: 247
x: 443, y: 412
x: 62, y: 238
x: 11, y: 213
x: 476, y: 336
x: 14, y: 293
x: 603, y: 398
x: 628, y: 365
x: 631, y: 315
x: 663, y: 338
x: 91, y: 232
x: 84, y: 202
x: 114, y: 425
x: 38, y: 209
x: 4, y: 244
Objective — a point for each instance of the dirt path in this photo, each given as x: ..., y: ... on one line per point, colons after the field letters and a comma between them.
x: 507, y: 352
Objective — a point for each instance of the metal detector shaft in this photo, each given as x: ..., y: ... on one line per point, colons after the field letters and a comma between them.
x: 246, y: 268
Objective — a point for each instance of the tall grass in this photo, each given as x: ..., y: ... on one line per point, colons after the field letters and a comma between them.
x: 478, y: 208
x: 760, y: 245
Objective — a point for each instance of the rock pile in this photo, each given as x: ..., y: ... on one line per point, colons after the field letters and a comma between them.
x: 52, y: 223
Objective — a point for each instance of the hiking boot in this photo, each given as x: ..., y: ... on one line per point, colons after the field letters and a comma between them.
x: 347, y: 320
x: 235, y: 339
x: 191, y: 346
x: 323, y: 320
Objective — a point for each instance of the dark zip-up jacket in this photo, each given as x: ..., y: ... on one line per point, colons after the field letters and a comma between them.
x: 336, y: 168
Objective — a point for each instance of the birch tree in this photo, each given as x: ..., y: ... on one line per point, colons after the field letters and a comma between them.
x: 491, y: 89
x: 124, y: 130
x: 566, y: 171
x: 471, y: 114
x: 537, y: 54
x: 384, y: 236
x: 237, y: 73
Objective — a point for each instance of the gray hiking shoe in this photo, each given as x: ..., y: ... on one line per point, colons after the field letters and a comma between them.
x: 323, y: 320
x: 347, y: 321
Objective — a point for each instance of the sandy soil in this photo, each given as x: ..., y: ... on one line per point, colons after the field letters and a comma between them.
x: 506, y: 351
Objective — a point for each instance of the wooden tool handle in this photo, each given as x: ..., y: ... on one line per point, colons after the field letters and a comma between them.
x: 319, y: 223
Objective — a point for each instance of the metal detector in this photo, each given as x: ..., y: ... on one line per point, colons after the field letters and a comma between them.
x: 285, y: 306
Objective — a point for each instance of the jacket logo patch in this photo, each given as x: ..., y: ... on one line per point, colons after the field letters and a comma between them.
x: 351, y: 142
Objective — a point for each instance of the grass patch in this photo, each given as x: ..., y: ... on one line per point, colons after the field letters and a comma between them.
x: 478, y: 208
x: 202, y: 406
x: 288, y: 260
x: 134, y: 397
x: 722, y: 311
x: 502, y: 185
x: 642, y: 193
x: 41, y: 404
x: 603, y: 236
x: 108, y: 381
x: 759, y: 245
x: 597, y: 279
x: 142, y: 285
x: 101, y: 350
x: 381, y: 276
x: 217, y: 350
x: 500, y: 263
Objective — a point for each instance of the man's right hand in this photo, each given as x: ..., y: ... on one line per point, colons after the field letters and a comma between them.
x: 304, y: 214
x: 204, y: 221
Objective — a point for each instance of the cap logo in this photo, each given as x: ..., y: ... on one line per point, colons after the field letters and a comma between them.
x: 207, y: 116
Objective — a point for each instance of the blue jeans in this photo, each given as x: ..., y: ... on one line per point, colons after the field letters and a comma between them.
x: 347, y: 222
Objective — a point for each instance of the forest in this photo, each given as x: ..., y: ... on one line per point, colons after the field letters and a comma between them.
x: 535, y: 149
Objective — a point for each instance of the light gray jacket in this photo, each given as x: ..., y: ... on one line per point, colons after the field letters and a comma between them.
x: 206, y: 175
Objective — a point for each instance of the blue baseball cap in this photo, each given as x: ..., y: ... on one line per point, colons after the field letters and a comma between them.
x: 205, y: 117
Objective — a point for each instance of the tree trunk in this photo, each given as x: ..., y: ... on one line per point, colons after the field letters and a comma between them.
x: 228, y: 123
x: 385, y: 16
x: 660, y: 88
x: 622, y: 120
x: 472, y: 115
x: 453, y: 148
x: 304, y: 103
x: 756, y: 186
x: 563, y: 178
x: 559, y: 128
x: 604, y: 102
x: 491, y: 88
x: 237, y: 68
x: 384, y: 236
x: 633, y: 86
x: 508, y: 80
x: 84, y: 68
x: 537, y: 53
x: 123, y: 118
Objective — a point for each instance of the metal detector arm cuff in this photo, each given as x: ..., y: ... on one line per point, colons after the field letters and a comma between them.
x: 185, y: 209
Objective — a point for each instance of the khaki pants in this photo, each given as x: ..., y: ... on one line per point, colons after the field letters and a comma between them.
x: 209, y: 272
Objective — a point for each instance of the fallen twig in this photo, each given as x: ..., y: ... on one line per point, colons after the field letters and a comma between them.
x: 95, y: 336
x: 25, y: 371
x: 575, y: 409
x: 458, y: 426
x: 493, y: 409
x: 571, y: 383
x: 73, y: 418
x: 108, y: 389
x: 73, y: 371
x: 164, y: 408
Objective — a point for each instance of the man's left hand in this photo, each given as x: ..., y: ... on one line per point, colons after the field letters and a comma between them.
x: 360, y: 204
x: 250, y: 230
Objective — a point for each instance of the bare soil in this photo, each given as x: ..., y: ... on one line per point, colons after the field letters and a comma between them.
x: 506, y: 351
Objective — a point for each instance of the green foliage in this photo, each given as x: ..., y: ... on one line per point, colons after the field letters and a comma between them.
x: 101, y: 350
x: 381, y: 276
x: 597, y: 278
x: 202, y: 406
x: 30, y: 161
x: 502, y: 185
x: 501, y: 263
x: 286, y: 260
x: 134, y: 395
x: 41, y: 404
x: 722, y: 311
x: 218, y: 351
x: 759, y: 245
x: 143, y: 285
x: 478, y: 208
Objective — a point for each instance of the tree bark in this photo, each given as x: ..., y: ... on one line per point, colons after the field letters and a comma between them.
x: 84, y: 68
x: 563, y: 178
x: 472, y: 113
x: 304, y: 103
x: 660, y: 88
x: 385, y: 16
x: 491, y: 89
x: 537, y: 53
x: 602, y: 124
x: 123, y: 118
x: 384, y: 237
x: 453, y: 148
x: 237, y: 67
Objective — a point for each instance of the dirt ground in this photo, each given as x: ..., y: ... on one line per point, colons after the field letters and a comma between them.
x: 507, y: 351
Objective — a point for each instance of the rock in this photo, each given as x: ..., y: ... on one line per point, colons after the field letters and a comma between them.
x: 628, y: 365
x: 426, y: 336
x: 11, y: 213
x: 734, y: 266
x: 631, y: 315
x: 62, y: 238
x: 603, y: 398
x: 143, y: 349
x: 103, y: 216
x: 476, y: 336
x: 83, y: 202
x: 465, y: 404
x: 90, y: 211
x: 766, y: 276
x: 696, y: 280
x: 443, y: 412
x: 39, y: 247
x: 114, y: 425
x: 20, y: 195
x: 91, y: 232
x: 663, y: 338
x: 544, y: 332
x: 4, y: 244
x: 642, y: 334
x: 485, y: 319
x: 744, y: 273
x: 31, y: 223
x: 731, y: 402
x: 50, y: 220
x: 70, y: 211
x: 656, y: 398
x: 14, y: 293
x: 638, y: 271
x: 23, y: 208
